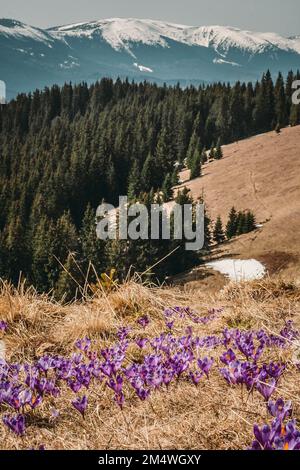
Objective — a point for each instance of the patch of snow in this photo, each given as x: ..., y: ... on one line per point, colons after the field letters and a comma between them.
x: 142, y: 68
x: 222, y: 61
x: 238, y: 270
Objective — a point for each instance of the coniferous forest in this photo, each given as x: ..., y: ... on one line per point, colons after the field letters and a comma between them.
x: 65, y: 150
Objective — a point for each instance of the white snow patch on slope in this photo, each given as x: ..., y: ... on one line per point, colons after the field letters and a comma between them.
x: 222, y: 61
x: 142, y: 68
x: 237, y: 269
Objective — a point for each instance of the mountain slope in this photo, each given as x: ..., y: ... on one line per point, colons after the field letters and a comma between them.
x: 260, y: 174
x: 138, y: 49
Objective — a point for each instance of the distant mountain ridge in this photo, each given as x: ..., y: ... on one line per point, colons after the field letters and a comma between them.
x: 138, y: 49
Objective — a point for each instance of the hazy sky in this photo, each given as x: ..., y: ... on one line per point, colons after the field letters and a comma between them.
x: 281, y: 16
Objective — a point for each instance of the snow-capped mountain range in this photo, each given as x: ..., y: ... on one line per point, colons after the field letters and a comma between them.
x: 138, y: 49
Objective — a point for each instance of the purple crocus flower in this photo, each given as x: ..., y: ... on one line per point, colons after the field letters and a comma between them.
x: 277, y: 437
x: 3, y: 325
x: 116, y: 385
x: 265, y: 435
x: 143, y: 321
x: 83, y: 344
x: 196, y: 376
x: 80, y: 404
x: 274, y: 370
x: 205, y: 365
x: 170, y: 324
x: 266, y: 387
x: 280, y: 409
x: 141, y: 342
x: 288, y: 331
x: 228, y: 357
x: 291, y: 437
x: 15, y: 423
x: 123, y: 333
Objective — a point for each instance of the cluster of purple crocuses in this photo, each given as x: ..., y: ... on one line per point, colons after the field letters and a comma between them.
x: 172, y: 314
x: 246, y: 370
x: 164, y: 359
x: 281, y: 434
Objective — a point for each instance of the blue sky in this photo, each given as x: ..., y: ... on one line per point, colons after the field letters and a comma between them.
x: 260, y: 15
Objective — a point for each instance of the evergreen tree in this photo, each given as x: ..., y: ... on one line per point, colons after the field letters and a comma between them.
x: 241, y: 223
x: 92, y: 249
x: 218, y: 232
x: 218, y: 154
x: 167, y: 188
x: 194, y: 147
x: 280, y: 102
x: 195, y: 165
x: 134, y: 182
x: 212, y: 151
x: 231, y: 227
x: 175, y: 177
x: 203, y: 157
x: 250, y: 223
x: 149, y: 174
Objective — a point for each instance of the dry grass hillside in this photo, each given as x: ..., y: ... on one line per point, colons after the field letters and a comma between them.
x: 210, y: 415
x: 154, y: 363
x: 261, y: 174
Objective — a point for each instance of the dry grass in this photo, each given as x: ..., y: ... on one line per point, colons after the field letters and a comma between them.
x: 210, y: 416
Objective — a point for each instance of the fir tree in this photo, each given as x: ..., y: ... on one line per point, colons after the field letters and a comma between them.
x: 241, y: 223
x: 175, y: 177
x: 231, y: 227
x: 212, y: 151
x: 149, y: 174
x: 218, y: 154
x: 134, y: 182
x: 195, y: 165
x: 203, y: 157
x: 194, y: 146
x: 218, y: 232
x: 167, y: 188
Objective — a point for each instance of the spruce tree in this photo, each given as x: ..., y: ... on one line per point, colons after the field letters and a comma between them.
x: 195, y: 165
x: 231, y: 227
x: 167, y: 188
x: 212, y: 151
x: 149, y: 174
x: 241, y: 223
x: 134, y: 182
x: 194, y: 146
x: 218, y: 232
x: 218, y: 154
x: 175, y: 177
x: 203, y: 157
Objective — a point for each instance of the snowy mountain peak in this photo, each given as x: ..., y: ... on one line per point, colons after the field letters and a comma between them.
x: 16, y: 29
x: 120, y: 32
